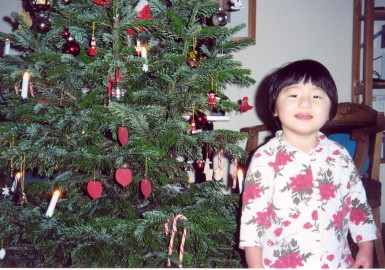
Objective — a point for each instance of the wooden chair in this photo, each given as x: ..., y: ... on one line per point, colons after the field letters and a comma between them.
x: 365, y: 127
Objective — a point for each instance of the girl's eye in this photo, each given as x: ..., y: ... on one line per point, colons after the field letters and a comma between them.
x: 293, y: 95
x: 316, y: 96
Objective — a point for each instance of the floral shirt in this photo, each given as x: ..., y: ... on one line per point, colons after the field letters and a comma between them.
x: 300, y: 206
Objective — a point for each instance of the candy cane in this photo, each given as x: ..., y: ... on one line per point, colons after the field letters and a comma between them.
x: 181, y: 247
x: 235, y: 173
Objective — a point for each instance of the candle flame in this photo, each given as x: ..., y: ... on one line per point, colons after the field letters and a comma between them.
x: 26, y: 75
x: 18, y: 175
x: 240, y: 173
x: 57, y: 193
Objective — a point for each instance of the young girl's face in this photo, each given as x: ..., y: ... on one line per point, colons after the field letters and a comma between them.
x: 302, y: 109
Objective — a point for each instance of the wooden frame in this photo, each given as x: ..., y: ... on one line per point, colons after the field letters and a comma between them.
x: 246, y: 15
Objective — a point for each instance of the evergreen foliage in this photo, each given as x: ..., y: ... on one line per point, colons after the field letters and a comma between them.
x: 69, y: 137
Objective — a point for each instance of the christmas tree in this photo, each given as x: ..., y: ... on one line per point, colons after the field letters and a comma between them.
x: 103, y: 102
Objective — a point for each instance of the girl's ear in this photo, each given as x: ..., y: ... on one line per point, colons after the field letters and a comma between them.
x: 275, y: 114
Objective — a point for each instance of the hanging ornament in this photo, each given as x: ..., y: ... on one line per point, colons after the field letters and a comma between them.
x: 145, y: 186
x: 20, y: 196
x: 2, y: 253
x: 41, y: 24
x: 207, y: 170
x: 219, y: 170
x: 94, y: 189
x: 244, y: 106
x: 193, y: 56
x: 41, y: 5
x: 123, y: 135
x: 71, y: 47
x: 66, y: 2
x: 193, y: 127
x: 212, y: 97
x: 138, y: 48
x: 220, y: 18
x: 102, y: 2
x: 92, y: 48
x: 66, y: 33
x: 5, y: 191
x: 200, y: 164
x: 123, y: 176
x: 144, y: 12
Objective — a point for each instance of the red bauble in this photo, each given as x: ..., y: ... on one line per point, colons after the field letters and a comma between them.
x: 71, y: 47
x: 145, y: 186
x: 123, y: 176
x: 123, y: 135
x: 94, y: 189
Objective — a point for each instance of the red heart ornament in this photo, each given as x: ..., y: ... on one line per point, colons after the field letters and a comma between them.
x: 122, y: 135
x: 123, y: 176
x: 94, y: 189
x: 145, y: 186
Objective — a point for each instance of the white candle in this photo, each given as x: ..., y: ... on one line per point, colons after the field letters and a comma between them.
x: 7, y: 46
x: 14, y: 184
x: 144, y: 52
x: 52, y: 204
x: 240, y: 180
x: 24, y: 86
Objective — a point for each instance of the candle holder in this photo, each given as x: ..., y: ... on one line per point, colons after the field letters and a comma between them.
x: 118, y: 92
x: 41, y: 5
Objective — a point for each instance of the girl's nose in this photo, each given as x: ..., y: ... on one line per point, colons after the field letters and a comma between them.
x: 305, y: 102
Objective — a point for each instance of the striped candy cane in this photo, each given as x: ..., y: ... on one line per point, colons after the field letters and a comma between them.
x: 181, y: 247
x: 235, y: 173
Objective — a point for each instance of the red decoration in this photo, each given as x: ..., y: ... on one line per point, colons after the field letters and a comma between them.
x: 94, y: 189
x: 145, y: 186
x: 212, y: 97
x: 144, y: 12
x: 123, y: 176
x: 200, y: 163
x: 92, y: 48
x: 102, y: 2
x: 71, y: 47
x: 123, y: 135
x: 66, y: 33
x: 193, y: 126
x: 244, y: 107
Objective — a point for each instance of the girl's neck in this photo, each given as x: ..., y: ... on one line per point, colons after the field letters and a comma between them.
x: 304, y: 142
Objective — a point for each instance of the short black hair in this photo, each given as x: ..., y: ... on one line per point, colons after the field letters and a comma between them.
x: 307, y: 71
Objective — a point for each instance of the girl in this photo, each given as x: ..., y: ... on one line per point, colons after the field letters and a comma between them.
x: 302, y: 191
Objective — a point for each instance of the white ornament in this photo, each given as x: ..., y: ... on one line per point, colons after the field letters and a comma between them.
x: 2, y: 253
x: 236, y: 5
x: 5, y: 191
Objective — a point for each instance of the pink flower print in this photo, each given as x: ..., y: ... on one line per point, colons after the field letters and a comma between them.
x: 270, y: 211
x: 278, y: 231
x: 359, y: 238
x: 348, y: 185
x: 251, y: 192
x: 270, y: 243
x: 307, y: 225
x: 349, y: 260
x: 322, y: 137
x: 337, y: 219
x: 330, y: 159
x: 357, y: 216
x: 314, y: 215
x: 257, y: 155
x: 325, y: 266
x: 281, y: 159
x: 327, y: 191
x: 286, y: 223
x: 302, y: 181
x: 263, y: 220
x: 336, y: 152
x: 291, y: 260
x: 319, y: 150
x: 295, y: 215
x: 330, y: 257
x: 267, y: 262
